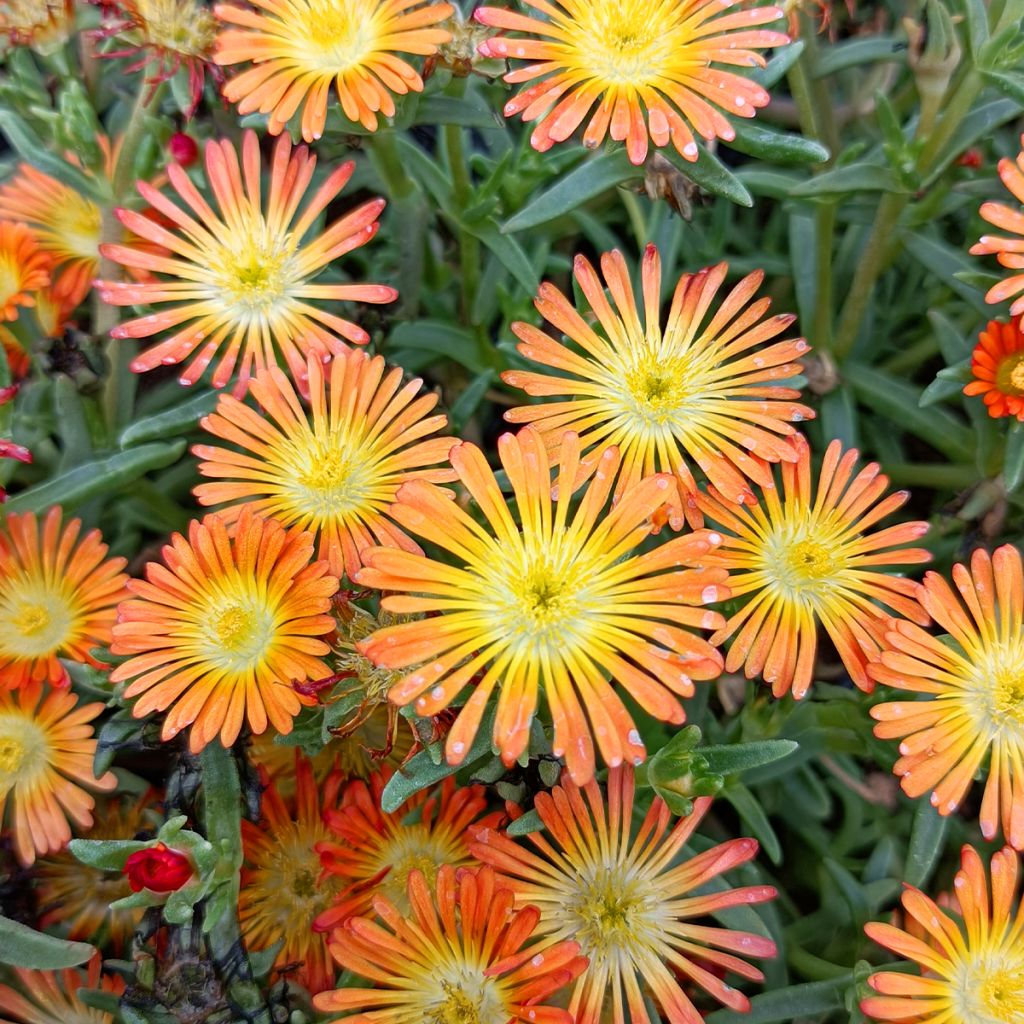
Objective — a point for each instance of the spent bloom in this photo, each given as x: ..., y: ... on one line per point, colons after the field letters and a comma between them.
x: 1009, y: 251
x: 997, y: 369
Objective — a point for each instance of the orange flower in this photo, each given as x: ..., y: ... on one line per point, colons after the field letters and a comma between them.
x: 282, y: 893
x: 806, y: 557
x: 971, y: 966
x: 51, y: 997
x: 1009, y: 251
x: 997, y: 365
x: 668, y: 397
x: 976, y: 705
x: 557, y: 604
x: 297, y: 50
x: 336, y: 472
x: 57, y: 597
x: 24, y: 268
x: 621, y: 893
x: 46, y: 752
x: 649, y: 65
x: 224, y: 628
x: 239, y: 280
x: 456, y: 956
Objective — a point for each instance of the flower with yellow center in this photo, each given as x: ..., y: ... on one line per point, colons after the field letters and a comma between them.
x: 975, y: 686
x: 282, y: 892
x: 689, y: 393
x: 335, y: 470
x: 222, y: 630
x: 624, y: 896
x: 43, y: 25
x: 46, y: 752
x: 1009, y: 251
x: 58, y: 596
x: 972, y: 964
x: 545, y: 601
x: 653, y: 67
x: 456, y: 956
x: 24, y: 268
x: 240, y: 282
x: 805, y: 557
x: 298, y: 48
x: 372, y: 852
x: 997, y: 368
x: 52, y: 997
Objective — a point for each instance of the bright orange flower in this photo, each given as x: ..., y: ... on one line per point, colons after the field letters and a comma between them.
x: 621, y: 894
x: 649, y: 65
x: 668, y: 397
x: 298, y: 48
x: 456, y: 956
x: 334, y: 472
x: 557, y: 604
x: 51, y: 997
x: 46, y: 752
x: 224, y: 629
x: 58, y: 597
x: 1009, y: 251
x: 373, y: 852
x: 972, y: 964
x: 240, y: 280
x: 282, y: 892
x: 805, y: 557
x: 997, y: 365
x: 24, y: 268
x: 976, y: 688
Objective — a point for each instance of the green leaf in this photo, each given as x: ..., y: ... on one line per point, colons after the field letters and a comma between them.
x: 467, y: 402
x: 852, y: 52
x: 106, y: 854
x: 529, y: 822
x: 976, y: 12
x: 21, y: 946
x: 444, y: 339
x: 945, y: 262
x: 712, y: 176
x: 262, y: 960
x: 811, y: 1002
x: 774, y: 71
x: 33, y: 150
x: 979, y: 124
x: 1013, y: 457
x: 731, y: 758
x: 756, y: 140
x: 926, y: 843
x: 953, y: 345
x: 749, y: 808
x: 508, y: 251
x: 469, y: 112
x: 851, y: 891
x: 173, y: 423
x: 858, y: 177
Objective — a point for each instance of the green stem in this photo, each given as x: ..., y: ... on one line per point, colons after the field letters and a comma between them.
x: 939, y: 475
x: 384, y: 153
x: 462, y: 191
x: 813, y: 967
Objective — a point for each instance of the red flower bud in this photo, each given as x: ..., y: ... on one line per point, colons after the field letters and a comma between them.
x: 971, y: 158
x: 158, y: 869
x: 183, y: 149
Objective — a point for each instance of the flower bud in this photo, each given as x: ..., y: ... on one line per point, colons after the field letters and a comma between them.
x: 183, y: 149
x: 158, y: 868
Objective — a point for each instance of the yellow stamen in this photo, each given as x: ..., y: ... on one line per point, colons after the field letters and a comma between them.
x: 24, y: 751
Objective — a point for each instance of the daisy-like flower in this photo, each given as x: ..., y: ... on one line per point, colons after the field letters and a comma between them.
x: 43, y: 25
x: 58, y: 597
x: 1009, y: 251
x: 653, y: 67
x: 972, y: 964
x: 623, y: 894
x: 698, y: 391
x: 557, y: 604
x: 282, y: 892
x: 976, y: 689
x: 24, y: 268
x: 456, y: 956
x: 240, y: 281
x: 804, y: 557
x: 373, y: 852
x: 46, y: 752
x: 51, y: 997
x: 336, y: 470
x: 299, y: 48
x: 997, y: 365
x: 221, y: 631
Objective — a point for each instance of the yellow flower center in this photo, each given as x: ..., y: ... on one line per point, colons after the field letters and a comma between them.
x: 1010, y: 374
x: 542, y: 604
x: 614, y: 913
x: 76, y: 228
x: 338, y: 35
x: 24, y: 751
x: 804, y: 560
x: 178, y: 26
x: 331, y: 478
x: 253, y: 273
x: 10, y: 277
x: 239, y: 632
x: 620, y: 41
x: 460, y: 993
x: 995, y: 688
x: 992, y: 990
x: 34, y: 620
x: 415, y: 847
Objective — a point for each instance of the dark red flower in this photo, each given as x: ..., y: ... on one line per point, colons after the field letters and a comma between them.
x: 158, y: 868
x: 183, y: 149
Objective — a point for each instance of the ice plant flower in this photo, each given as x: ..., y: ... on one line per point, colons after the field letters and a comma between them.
x: 158, y: 868
x: 46, y: 752
x: 221, y: 631
x: 621, y: 893
x: 975, y: 706
x: 654, y: 69
x: 557, y: 604
x: 282, y: 892
x: 297, y: 51
x: 335, y: 470
x: 24, y: 268
x: 42, y: 25
x: 1009, y: 251
x: 697, y: 391
x: 997, y: 366
x: 372, y: 852
x: 58, y: 597
x: 239, y: 281
x: 805, y: 557
x: 971, y: 964
x: 51, y: 997
x: 456, y: 957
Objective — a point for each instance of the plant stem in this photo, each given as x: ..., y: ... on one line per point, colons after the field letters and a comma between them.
x: 462, y: 190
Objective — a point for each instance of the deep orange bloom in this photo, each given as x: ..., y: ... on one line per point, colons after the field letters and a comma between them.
x: 976, y: 686
x: 336, y: 471
x: 697, y: 391
x: 46, y: 752
x: 51, y: 997
x: 621, y: 893
x: 804, y: 557
x: 299, y: 48
x: 557, y: 604
x: 58, y: 596
x: 24, y: 268
x: 457, y: 955
x: 239, y: 280
x: 223, y: 629
x: 1009, y: 251
x: 653, y: 67
x: 997, y: 364
x: 971, y: 964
